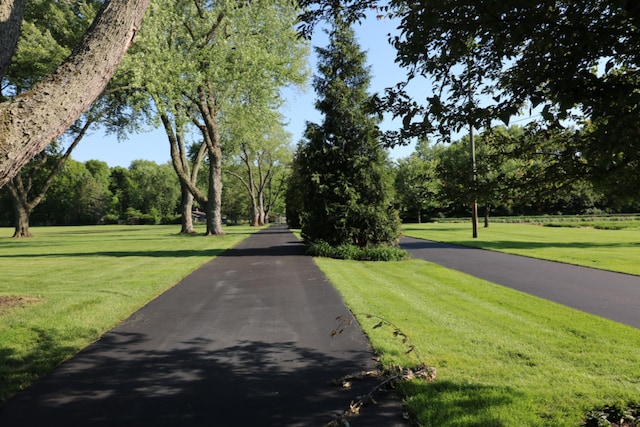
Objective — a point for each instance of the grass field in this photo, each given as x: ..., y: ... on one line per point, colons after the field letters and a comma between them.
x: 616, y: 248
x: 503, y: 358
x: 77, y: 282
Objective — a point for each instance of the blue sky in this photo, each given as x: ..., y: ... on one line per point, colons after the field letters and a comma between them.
x: 372, y: 36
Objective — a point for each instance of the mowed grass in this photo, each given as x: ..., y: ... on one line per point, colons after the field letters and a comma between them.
x: 81, y: 281
x: 606, y: 249
x: 503, y: 358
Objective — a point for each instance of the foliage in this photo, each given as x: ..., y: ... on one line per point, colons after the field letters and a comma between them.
x: 518, y: 171
x: 496, y: 178
x: 237, y: 56
x: 562, y: 61
x: 153, y: 187
x: 342, y: 169
x: 50, y: 30
x: 263, y: 151
x: 417, y: 185
x: 294, y: 194
x: 320, y: 248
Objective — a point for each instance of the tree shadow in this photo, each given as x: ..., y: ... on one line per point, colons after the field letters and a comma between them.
x: 447, y: 403
x: 505, y: 245
x: 430, y: 244
x: 125, y: 379
x: 182, y: 253
x: 500, y: 245
x: 295, y: 249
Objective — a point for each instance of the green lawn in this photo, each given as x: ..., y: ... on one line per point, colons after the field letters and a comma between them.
x: 606, y: 249
x: 81, y: 281
x: 503, y: 358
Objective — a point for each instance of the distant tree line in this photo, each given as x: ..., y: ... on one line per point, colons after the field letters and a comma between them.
x: 91, y: 192
x: 519, y: 172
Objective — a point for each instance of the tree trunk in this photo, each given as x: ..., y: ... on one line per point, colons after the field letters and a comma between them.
x: 267, y: 206
x: 214, y: 215
x: 256, y: 217
x: 206, y: 104
x: 31, y: 121
x: 22, y: 208
x: 11, y: 12
x: 186, y: 204
x: 487, y: 210
x: 187, y: 175
x: 262, y: 220
x: 22, y: 215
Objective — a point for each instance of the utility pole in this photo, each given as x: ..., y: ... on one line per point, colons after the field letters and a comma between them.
x: 472, y: 143
x: 474, y: 182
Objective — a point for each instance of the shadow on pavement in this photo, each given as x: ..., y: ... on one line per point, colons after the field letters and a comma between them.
x: 117, y: 382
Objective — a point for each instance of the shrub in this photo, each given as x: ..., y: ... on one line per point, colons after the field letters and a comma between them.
x: 147, y: 219
x: 110, y: 219
x: 321, y: 248
x: 171, y: 219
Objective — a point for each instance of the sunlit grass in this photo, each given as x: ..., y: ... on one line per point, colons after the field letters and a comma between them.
x: 504, y: 358
x: 606, y: 249
x: 86, y: 280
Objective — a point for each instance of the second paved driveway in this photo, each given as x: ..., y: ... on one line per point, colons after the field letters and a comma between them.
x: 610, y: 295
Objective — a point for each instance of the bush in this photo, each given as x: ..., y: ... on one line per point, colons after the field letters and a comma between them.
x: 110, y: 219
x: 147, y: 219
x: 321, y: 248
x: 171, y: 219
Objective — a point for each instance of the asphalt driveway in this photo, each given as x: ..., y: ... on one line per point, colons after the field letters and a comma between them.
x: 243, y: 341
x: 610, y: 295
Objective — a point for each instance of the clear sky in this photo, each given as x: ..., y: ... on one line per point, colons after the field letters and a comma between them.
x: 372, y: 36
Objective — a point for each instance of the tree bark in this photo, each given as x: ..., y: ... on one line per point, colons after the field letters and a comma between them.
x: 487, y: 211
x: 11, y: 12
x: 22, y: 217
x: 214, y: 213
x: 206, y: 105
x: 186, y: 205
x: 32, y: 120
x: 187, y: 175
x: 22, y: 208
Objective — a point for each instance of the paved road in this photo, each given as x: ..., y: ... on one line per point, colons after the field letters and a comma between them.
x: 611, y: 295
x: 243, y: 341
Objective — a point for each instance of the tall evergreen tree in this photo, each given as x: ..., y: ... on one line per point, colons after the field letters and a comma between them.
x: 346, y: 185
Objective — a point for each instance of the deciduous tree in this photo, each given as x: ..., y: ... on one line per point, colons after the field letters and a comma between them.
x: 262, y: 149
x: 417, y: 184
x: 49, y: 33
x: 221, y: 55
